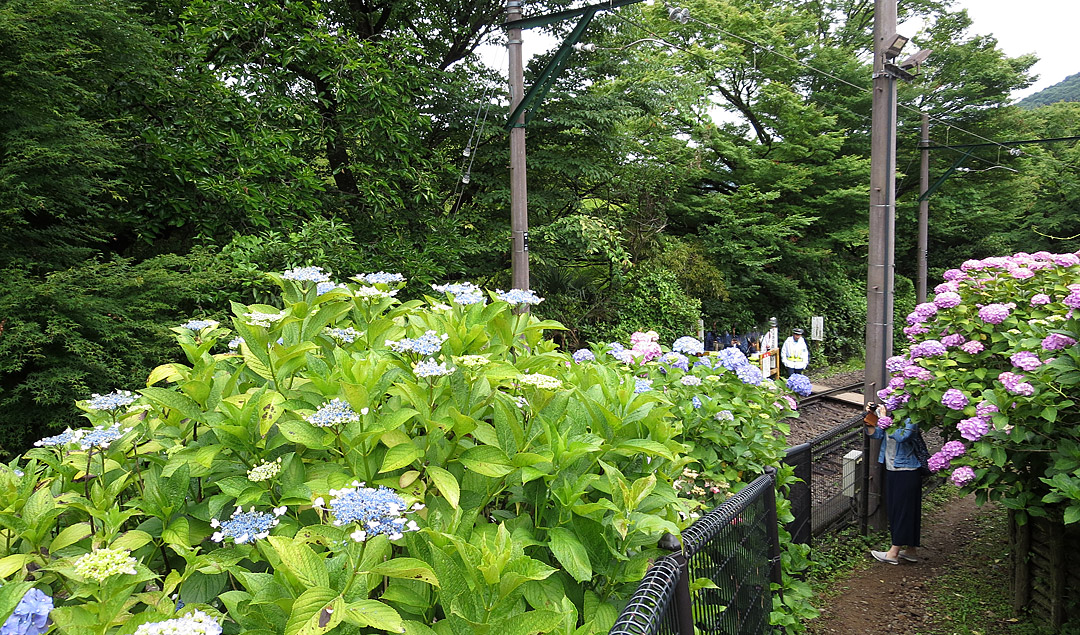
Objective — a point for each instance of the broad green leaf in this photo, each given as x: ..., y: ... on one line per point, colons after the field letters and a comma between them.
x: 13, y: 563
x: 131, y: 540
x: 407, y: 569
x: 447, y: 484
x: 487, y: 460
x: 400, y: 456
x: 301, y: 561
x: 317, y: 610
x: 39, y: 504
x: 570, y: 553
x: 364, y: 613
x: 69, y: 536
x: 186, y: 406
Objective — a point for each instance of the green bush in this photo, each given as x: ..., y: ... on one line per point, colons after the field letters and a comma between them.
x: 90, y: 328
x: 431, y: 467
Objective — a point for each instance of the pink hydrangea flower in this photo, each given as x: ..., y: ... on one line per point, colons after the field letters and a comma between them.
x: 973, y: 347
x: 953, y: 339
x: 963, y: 475
x: 952, y: 275
x: 1057, y: 341
x: 994, y: 313
x: 1040, y: 299
x: 974, y: 428
x: 947, y: 300
x: 1025, y: 359
x: 937, y: 462
x: 947, y: 287
x: 985, y: 408
x: 884, y: 422
x: 953, y: 449
x: 954, y: 399
x: 970, y: 265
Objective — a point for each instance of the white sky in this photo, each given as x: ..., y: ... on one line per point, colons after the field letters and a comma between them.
x: 1044, y: 27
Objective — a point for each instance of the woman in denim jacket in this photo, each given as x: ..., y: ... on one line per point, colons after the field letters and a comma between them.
x: 903, y: 489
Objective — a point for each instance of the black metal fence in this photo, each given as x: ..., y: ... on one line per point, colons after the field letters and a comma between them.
x: 736, y: 548
x: 831, y: 470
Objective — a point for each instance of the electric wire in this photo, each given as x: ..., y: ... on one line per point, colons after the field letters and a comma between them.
x: 475, y: 135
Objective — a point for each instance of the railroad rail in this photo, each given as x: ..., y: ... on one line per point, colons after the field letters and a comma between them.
x: 834, y: 394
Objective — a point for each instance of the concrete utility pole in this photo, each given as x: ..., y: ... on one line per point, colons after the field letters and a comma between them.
x: 924, y: 205
x: 519, y: 205
x: 879, y: 280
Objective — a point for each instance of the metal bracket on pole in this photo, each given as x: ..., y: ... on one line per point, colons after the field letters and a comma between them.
x: 539, y: 90
x: 926, y: 195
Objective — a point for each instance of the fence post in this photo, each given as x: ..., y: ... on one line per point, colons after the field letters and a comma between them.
x: 773, y: 527
x: 684, y: 608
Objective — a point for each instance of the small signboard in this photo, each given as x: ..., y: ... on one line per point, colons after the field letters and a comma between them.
x: 817, y: 328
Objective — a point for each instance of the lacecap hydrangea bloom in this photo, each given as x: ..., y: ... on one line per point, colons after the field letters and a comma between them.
x: 235, y: 343
x: 346, y: 335
x: 430, y: 368
x: 31, y: 615
x: 64, y: 438
x: 306, y: 274
x: 688, y: 346
x: 264, y: 471
x: 246, y: 526
x: 464, y: 293
x: 266, y: 320
x: 380, y: 277
x: 101, y: 437
x: 198, y: 325
x: 519, y: 296
x: 194, y: 623
x: 99, y: 564
x: 111, y: 401
x: 327, y: 287
x: 541, y: 381
x: 427, y: 344
x: 332, y: 413
x: 375, y: 510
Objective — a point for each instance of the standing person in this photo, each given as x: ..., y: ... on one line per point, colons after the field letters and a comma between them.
x: 794, y: 355
x: 769, y: 343
x: 903, y: 488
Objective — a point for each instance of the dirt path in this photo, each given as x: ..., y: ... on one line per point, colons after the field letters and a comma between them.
x: 885, y: 599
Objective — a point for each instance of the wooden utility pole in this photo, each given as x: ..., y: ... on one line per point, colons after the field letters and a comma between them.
x: 881, y: 266
x: 519, y: 198
x: 924, y: 205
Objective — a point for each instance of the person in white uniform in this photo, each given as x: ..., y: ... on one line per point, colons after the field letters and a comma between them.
x: 794, y: 354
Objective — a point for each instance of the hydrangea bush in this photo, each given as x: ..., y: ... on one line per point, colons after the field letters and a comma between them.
x: 348, y: 460
x: 994, y: 363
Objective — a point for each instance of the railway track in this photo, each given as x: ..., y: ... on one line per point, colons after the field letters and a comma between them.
x: 832, y: 394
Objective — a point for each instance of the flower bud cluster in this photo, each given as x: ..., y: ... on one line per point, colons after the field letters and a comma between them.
x: 102, y: 563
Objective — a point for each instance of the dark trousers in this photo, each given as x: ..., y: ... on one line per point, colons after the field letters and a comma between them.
x: 903, y: 500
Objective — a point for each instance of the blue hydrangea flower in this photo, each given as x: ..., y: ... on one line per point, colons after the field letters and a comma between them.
x: 328, y: 286
x: 642, y: 385
x: 332, y: 413
x: 732, y: 358
x: 100, y: 437
x: 519, y: 296
x: 306, y: 274
x: 799, y: 384
x: 704, y: 361
x: 464, y: 293
x: 430, y: 368
x: 235, y: 343
x: 111, y: 401
x: 347, y: 335
x: 584, y: 355
x: 64, y: 438
x: 676, y: 360
x: 688, y: 345
x: 198, y: 325
x: 696, y: 402
x: 380, y: 277
x: 749, y: 374
x: 31, y: 616
x: 246, y: 526
x: 376, y: 511
x: 427, y: 344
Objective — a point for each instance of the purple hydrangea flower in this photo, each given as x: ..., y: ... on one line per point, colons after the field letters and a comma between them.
x: 927, y: 348
x: 749, y: 374
x: 896, y: 363
x: 1057, y: 341
x: 922, y: 313
x: 895, y: 401
x: 973, y: 347
x: 985, y: 408
x: 947, y: 287
x: 1072, y: 300
x: 584, y: 355
x: 1023, y: 389
x: 937, y: 462
x: 970, y: 265
x: 1040, y: 299
x: 974, y: 428
x: 915, y: 329
x: 799, y: 384
x: 1010, y: 380
x: 1021, y: 273
x: 953, y: 339
x: 884, y: 422
x: 963, y: 475
x: 676, y: 360
x: 884, y: 393
x: 947, y: 300
x: 994, y: 313
x: 954, y: 274
x: 1025, y: 359
x: 1066, y: 260
x: 896, y: 383
x: 953, y: 449
x: 954, y: 399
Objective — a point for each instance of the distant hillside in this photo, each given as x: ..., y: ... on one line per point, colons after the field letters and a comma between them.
x: 1067, y: 89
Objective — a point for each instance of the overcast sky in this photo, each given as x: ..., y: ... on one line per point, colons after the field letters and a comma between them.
x: 1044, y: 27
